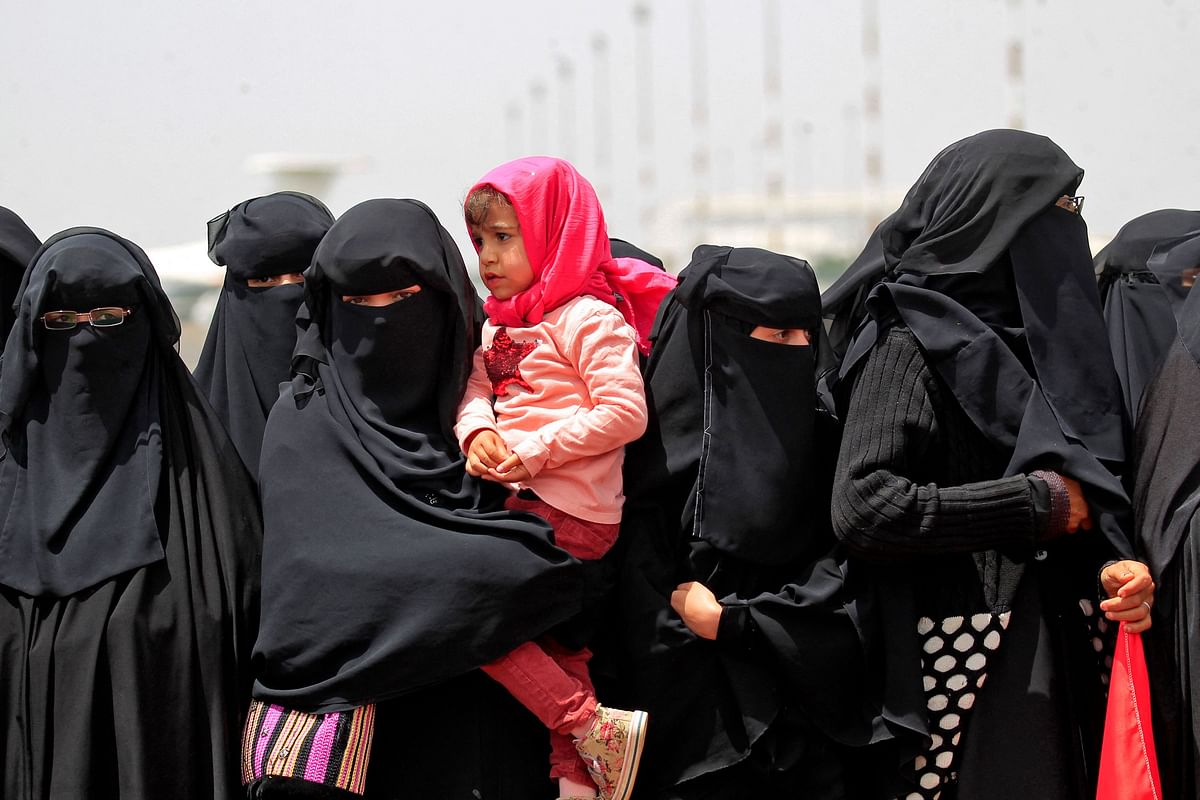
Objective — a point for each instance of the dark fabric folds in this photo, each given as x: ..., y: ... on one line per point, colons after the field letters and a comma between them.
x: 1141, y: 300
x: 1167, y: 503
x: 387, y: 568
x: 249, y: 347
x: 17, y: 245
x: 79, y: 415
x: 1034, y: 386
x: 783, y: 687
x: 125, y: 676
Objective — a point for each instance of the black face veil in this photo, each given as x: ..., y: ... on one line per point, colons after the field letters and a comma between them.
x: 385, y: 566
x: 249, y: 347
x: 732, y: 416
x: 79, y: 411
x: 1141, y: 300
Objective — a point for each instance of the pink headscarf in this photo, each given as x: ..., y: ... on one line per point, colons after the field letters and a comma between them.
x: 566, y: 240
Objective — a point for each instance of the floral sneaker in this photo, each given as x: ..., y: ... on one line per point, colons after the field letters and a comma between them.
x: 612, y: 748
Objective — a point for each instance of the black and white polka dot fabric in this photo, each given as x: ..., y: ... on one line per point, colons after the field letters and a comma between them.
x: 954, y: 660
x: 1103, y: 642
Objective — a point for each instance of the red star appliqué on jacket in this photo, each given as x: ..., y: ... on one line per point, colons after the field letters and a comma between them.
x: 501, y: 360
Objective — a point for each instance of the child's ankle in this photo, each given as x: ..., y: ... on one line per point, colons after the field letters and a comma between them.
x: 584, y: 725
x: 574, y: 789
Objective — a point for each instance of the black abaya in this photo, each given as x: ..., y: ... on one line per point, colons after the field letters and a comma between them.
x: 125, y: 676
x: 961, y: 383
x: 725, y: 488
x: 390, y: 574
x: 1167, y: 503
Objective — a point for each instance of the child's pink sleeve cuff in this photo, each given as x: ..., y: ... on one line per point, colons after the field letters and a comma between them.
x: 533, y: 454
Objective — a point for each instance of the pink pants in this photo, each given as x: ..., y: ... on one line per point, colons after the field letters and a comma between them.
x: 545, y: 677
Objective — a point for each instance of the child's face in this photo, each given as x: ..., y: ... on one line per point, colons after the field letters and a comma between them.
x: 503, y: 264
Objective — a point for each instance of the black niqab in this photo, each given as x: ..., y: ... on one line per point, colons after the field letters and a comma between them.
x: 1141, y: 302
x: 17, y: 246
x: 248, y: 351
x: 386, y: 567
x: 1036, y: 386
x: 732, y: 413
x: 89, y: 455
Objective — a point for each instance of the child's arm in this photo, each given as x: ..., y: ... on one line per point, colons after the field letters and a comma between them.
x: 603, y: 350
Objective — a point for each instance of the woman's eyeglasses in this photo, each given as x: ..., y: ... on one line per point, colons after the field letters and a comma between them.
x: 105, y: 317
x: 1072, y: 203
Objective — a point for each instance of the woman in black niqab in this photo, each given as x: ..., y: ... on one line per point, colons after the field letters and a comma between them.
x: 975, y: 385
x: 1166, y: 500
x: 387, y: 570
x: 17, y: 246
x: 1141, y: 301
x: 129, y: 547
x: 728, y: 489
x: 248, y: 352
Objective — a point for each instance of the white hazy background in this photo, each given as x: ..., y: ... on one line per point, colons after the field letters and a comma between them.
x: 139, y: 116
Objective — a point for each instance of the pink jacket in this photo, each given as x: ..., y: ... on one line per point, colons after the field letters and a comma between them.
x: 566, y: 396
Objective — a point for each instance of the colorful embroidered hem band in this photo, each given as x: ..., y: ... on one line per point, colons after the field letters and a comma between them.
x: 330, y: 749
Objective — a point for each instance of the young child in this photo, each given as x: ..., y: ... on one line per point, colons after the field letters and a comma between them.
x: 554, y: 396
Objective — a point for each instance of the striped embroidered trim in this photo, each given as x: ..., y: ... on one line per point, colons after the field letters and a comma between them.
x: 330, y: 749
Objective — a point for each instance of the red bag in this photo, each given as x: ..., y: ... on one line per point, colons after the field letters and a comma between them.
x: 1128, y: 765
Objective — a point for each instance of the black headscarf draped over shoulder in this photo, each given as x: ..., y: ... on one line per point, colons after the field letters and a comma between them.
x: 129, y: 548
x: 624, y: 249
x: 1141, y: 302
x: 17, y: 246
x: 386, y: 567
x: 844, y: 309
x: 249, y: 347
x: 1166, y: 499
x: 996, y: 283
x: 728, y: 487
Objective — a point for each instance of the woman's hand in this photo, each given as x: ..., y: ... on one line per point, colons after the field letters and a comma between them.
x: 1130, y: 594
x: 1079, y: 516
x: 698, y: 608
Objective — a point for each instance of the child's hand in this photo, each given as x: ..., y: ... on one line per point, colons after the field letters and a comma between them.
x: 698, y: 607
x: 1130, y: 594
x: 510, y: 470
x: 485, y: 452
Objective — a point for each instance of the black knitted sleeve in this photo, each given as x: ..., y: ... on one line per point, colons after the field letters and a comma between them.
x: 879, y: 510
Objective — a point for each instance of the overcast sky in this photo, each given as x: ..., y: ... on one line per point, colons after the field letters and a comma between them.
x: 139, y: 115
